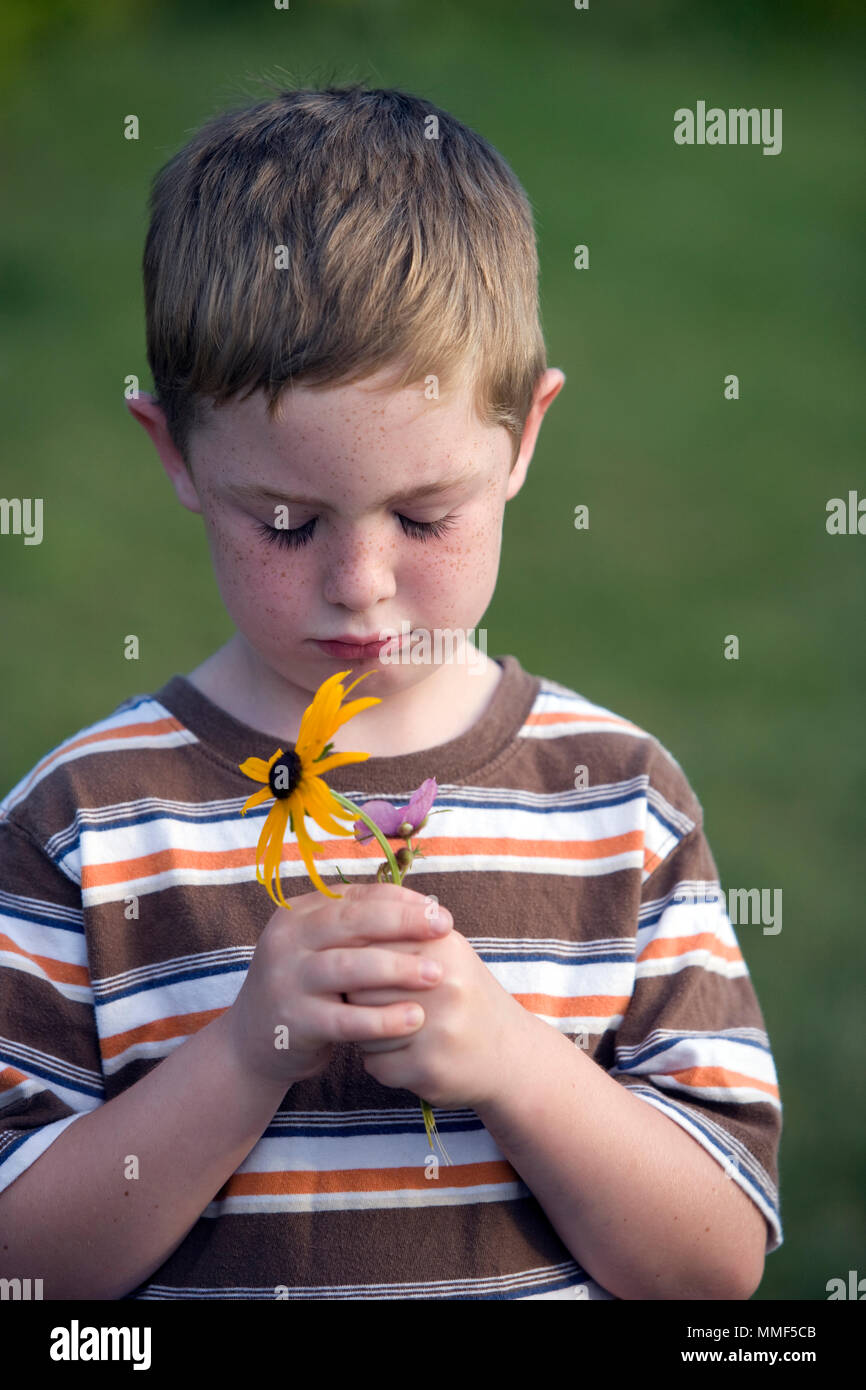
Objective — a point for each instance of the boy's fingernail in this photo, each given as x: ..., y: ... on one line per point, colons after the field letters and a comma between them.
x: 413, y: 1014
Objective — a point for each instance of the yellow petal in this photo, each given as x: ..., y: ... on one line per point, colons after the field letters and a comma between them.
x: 350, y: 710
x: 266, y: 832
x: 338, y: 760
x: 256, y: 768
x: 315, y: 717
x: 278, y: 897
x: 322, y: 807
x: 324, y: 716
x: 278, y: 818
x: 305, y: 845
x: 256, y: 799
x: 266, y: 843
x: 357, y: 681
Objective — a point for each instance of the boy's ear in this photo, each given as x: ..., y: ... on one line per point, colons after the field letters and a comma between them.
x: 152, y: 417
x: 547, y: 388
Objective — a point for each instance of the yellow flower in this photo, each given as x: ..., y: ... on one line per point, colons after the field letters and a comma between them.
x: 294, y: 779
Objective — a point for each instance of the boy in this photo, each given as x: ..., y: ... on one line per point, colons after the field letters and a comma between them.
x: 341, y: 298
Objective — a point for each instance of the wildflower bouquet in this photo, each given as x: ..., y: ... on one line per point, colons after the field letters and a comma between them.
x: 294, y: 779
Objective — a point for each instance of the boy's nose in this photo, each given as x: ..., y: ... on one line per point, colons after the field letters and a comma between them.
x: 359, y: 579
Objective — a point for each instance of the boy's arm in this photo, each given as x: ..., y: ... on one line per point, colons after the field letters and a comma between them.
x: 68, y: 1215
x: 74, y: 1220
x: 641, y: 1206
x: 660, y: 1174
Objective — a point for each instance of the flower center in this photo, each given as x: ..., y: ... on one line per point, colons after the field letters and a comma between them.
x: 285, y: 775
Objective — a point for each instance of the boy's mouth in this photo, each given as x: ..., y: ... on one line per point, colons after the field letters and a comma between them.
x: 363, y: 650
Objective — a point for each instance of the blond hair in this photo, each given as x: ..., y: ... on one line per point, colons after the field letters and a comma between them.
x: 398, y: 249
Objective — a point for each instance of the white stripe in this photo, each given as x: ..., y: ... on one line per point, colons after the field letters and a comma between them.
x: 434, y: 1195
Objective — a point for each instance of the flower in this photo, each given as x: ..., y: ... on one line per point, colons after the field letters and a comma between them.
x: 399, y: 820
x: 294, y: 779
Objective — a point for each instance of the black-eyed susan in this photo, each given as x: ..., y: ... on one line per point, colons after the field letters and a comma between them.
x: 294, y: 779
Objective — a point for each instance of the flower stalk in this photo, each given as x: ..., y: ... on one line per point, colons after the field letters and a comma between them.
x: 397, y: 876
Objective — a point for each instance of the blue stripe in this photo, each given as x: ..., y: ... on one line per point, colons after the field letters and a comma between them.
x: 693, y: 1115
x: 199, y: 817
x: 599, y: 957
x: 52, y: 1078
x: 412, y: 1124
x: 39, y: 920
x: 675, y: 830
x: 103, y: 996
x: 658, y: 1047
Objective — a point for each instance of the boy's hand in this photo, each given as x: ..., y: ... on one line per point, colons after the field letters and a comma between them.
x: 459, y: 1056
x: 307, y: 959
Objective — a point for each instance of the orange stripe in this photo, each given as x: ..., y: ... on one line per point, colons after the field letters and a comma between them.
x: 681, y: 945
x: 184, y: 1025
x: 305, y: 1183
x: 10, y: 1077
x: 719, y: 1076
x: 147, y: 865
x: 591, y: 1005
x: 564, y: 718
x: 175, y: 1026
x: 59, y: 970
x: 156, y: 726
x: 650, y: 861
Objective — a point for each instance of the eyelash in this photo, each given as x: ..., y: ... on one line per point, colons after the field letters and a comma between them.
x: 293, y: 540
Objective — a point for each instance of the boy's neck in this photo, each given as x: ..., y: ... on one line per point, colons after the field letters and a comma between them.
x: 446, y: 704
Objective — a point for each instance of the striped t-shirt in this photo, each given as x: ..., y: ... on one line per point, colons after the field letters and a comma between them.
x: 572, y: 857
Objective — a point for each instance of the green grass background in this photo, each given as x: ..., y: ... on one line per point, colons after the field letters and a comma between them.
x: 707, y: 517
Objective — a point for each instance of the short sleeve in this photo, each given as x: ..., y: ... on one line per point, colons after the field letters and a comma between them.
x: 692, y: 1042
x: 50, y: 1067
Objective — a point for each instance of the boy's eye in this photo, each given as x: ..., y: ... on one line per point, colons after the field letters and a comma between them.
x: 420, y: 530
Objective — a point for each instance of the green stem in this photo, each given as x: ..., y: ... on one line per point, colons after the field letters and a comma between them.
x: 426, y: 1109
x: 361, y: 815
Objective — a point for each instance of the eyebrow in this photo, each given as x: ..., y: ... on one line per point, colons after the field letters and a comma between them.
x: 250, y: 492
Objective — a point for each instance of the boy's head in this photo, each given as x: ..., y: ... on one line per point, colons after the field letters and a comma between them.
x: 341, y: 302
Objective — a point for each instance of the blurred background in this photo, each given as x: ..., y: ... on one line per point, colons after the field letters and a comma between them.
x: 707, y: 516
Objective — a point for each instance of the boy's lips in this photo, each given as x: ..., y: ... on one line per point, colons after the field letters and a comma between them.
x: 354, y: 649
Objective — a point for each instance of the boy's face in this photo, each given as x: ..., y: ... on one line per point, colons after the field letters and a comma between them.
x: 357, y: 452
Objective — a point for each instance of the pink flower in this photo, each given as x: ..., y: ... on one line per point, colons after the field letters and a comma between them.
x: 399, y: 820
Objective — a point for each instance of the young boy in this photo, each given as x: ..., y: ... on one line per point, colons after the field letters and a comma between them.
x: 350, y: 377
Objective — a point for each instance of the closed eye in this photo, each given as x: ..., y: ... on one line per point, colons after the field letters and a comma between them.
x: 294, y: 539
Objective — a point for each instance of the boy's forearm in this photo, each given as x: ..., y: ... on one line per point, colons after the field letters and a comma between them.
x: 75, y: 1221
x: 640, y: 1205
